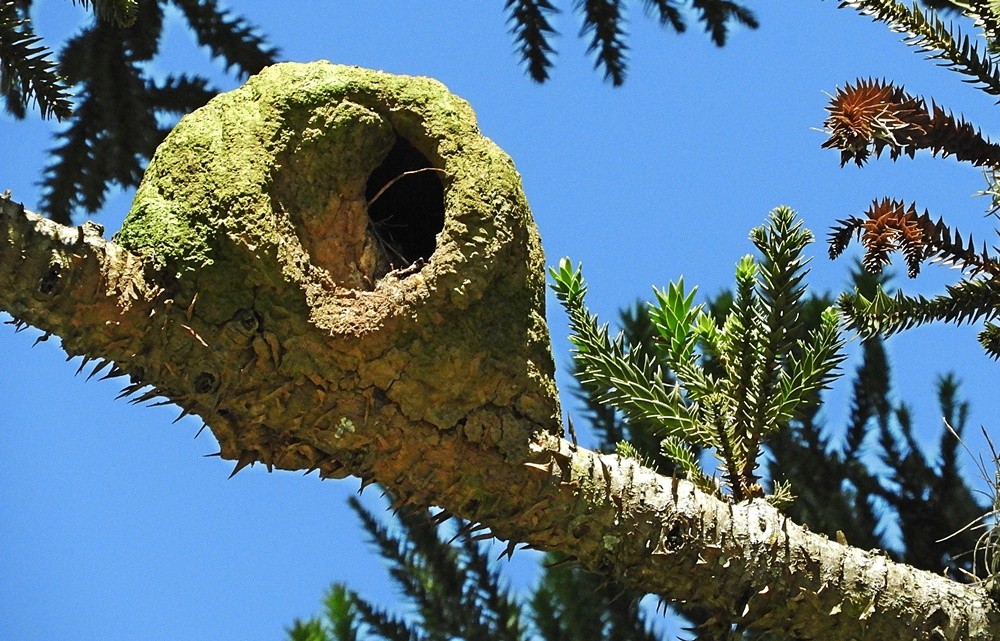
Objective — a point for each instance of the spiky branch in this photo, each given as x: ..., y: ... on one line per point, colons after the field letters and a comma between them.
x: 718, y: 15
x: 929, y: 34
x: 114, y: 125
x: 27, y: 73
x: 872, y: 115
x: 530, y: 26
x: 603, y: 23
x: 120, y: 12
x: 889, y: 225
x: 229, y: 37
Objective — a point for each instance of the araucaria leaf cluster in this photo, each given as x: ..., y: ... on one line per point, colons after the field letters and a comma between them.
x: 604, y: 23
x: 726, y: 385
x: 102, y: 84
x: 871, y: 116
x: 27, y: 73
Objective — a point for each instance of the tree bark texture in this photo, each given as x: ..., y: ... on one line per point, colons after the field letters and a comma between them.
x: 337, y: 272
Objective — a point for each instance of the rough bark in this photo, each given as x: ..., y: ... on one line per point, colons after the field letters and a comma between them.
x: 254, y: 285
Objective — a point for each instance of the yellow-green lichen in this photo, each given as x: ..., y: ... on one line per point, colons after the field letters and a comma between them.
x: 344, y: 427
x: 260, y: 202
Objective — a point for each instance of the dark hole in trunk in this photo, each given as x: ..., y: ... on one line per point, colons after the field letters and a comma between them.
x: 409, y: 214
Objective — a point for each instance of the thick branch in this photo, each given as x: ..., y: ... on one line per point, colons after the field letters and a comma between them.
x: 259, y: 284
x: 72, y: 283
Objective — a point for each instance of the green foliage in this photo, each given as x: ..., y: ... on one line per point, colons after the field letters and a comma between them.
x: 633, y: 381
x: 634, y: 438
x: 943, y: 42
x: 604, y: 24
x: 339, y: 621
x: 763, y: 376
x: 872, y: 116
x: 119, y: 113
x: 27, y: 74
x: 454, y: 591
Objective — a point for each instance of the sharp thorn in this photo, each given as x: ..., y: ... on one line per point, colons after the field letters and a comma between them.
x: 365, y: 483
x: 462, y: 531
x: 246, y: 458
x: 114, y: 373
x: 331, y: 467
x: 201, y: 429
x: 509, y: 552
x: 83, y: 363
x: 97, y: 368
x: 148, y: 396
x: 129, y: 390
x: 440, y: 517
x: 485, y: 536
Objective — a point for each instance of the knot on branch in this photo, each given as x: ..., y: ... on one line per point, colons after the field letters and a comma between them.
x: 342, y: 247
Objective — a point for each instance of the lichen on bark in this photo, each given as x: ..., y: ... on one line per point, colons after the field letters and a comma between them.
x: 257, y: 206
x: 278, y: 304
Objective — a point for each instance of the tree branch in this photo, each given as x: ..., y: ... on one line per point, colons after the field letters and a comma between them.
x: 251, y: 286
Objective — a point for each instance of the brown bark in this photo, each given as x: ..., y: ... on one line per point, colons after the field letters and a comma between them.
x: 254, y: 285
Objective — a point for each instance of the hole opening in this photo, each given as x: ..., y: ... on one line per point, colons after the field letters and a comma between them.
x: 405, y: 198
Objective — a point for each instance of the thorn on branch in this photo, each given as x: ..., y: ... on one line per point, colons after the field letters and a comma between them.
x: 246, y: 458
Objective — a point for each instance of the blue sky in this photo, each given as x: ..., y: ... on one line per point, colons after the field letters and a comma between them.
x: 113, y: 523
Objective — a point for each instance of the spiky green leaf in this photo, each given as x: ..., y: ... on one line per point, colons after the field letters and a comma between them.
x: 631, y: 381
x: 686, y: 462
x: 27, y: 72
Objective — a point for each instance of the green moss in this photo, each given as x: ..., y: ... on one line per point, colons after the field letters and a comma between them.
x: 255, y: 201
x: 212, y: 177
